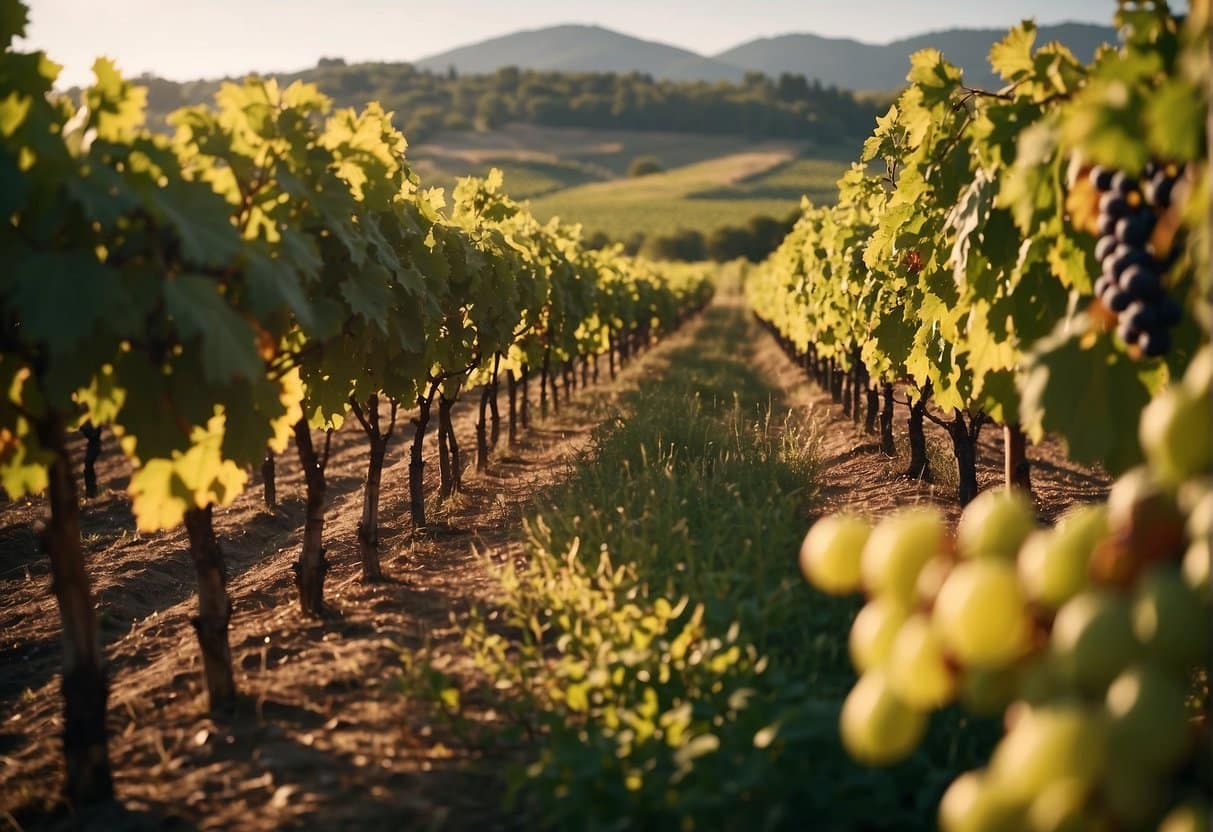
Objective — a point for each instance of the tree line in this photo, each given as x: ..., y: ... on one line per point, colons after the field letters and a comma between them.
x: 759, y: 106
x: 753, y: 241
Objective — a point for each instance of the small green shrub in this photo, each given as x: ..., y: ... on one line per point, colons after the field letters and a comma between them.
x: 645, y: 166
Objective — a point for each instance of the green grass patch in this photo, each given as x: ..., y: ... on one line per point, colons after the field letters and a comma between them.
x: 581, y: 175
x: 816, y: 178
x: 619, y: 219
x: 703, y: 197
x: 524, y: 179
x: 610, y: 151
x: 698, y: 492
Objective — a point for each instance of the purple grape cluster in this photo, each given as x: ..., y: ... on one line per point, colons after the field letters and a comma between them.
x: 1131, y: 284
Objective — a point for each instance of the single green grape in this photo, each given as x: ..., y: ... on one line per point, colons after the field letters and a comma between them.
x: 980, y: 613
x: 878, y: 728
x: 1133, y: 488
x: 1148, y: 718
x: 931, y: 577
x: 1047, y: 745
x: 873, y: 632
x: 916, y: 668
x: 1198, y: 378
x: 897, y: 550
x: 1170, y: 620
x: 829, y: 556
x: 1195, y: 499
x: 1196, y: 569
x: 1199, y: 529
x: 995, y: 524
x: 1093, y: 639
x: 1061, y: 807
x: 1189, y: 817
x: 1053, y: 564
x: 1174, y: 433
x: 973, y: 804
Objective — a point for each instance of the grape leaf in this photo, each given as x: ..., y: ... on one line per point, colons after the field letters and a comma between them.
x: 1073, y: 264
x: 201, y: 219
x: 1105, y: 123
x: 14, y: 109
x: 1090, y: 394
x: 146, y: 416
x: 291, y: 399
x: 1028, y: 189
x: 969, y: 215
x: 117, y: 106
x: 163, y: 489
x: 367, y: 292
x: 299, y: 250
x: 14, y: 17
x: 23, y: 464
x: 250, y: 413
x: 274, y: 285
x: 103, y: 193
x: 229, y: 344
x: 60, y: 297
x: 998, y: 396
x: 1011, y: 57
x: 14, y: 188
x: 1176, y: 121
x: 933, y: 75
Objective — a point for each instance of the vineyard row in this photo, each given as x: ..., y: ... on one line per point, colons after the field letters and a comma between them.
x: 270, y: 269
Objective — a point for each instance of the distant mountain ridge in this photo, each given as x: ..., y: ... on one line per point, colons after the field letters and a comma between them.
x: 574, y: 48
x: 840, y: 62
x: 855, y: 65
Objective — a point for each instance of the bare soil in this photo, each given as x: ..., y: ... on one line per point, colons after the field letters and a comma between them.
x: 325, y: 736
x: 856, y: 476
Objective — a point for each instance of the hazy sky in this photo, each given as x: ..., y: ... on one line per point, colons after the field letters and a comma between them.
x: 183, y: 39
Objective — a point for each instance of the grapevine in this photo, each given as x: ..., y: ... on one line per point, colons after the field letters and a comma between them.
x: 271, y: 268
x: 964, y: 252
x: 1023, y: 249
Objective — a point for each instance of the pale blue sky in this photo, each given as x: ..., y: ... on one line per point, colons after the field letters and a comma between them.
x: 183, y: 39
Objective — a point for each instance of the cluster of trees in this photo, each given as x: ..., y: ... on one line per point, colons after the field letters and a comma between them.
x: 754, y: 241
x: 644, y: 166
x: 425, y: 102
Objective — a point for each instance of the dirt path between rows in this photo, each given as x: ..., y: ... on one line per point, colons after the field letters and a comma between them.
x: 856, y: 476
x: 323, y: 738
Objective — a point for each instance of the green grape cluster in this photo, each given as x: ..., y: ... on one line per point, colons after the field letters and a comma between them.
x: 1090, y: 637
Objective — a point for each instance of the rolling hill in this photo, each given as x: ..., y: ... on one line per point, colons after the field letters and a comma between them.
x: 840, y: 62
x: 765, y: 179
x: 581, y: 175
x: 855, y: 65
x: 574, y: 48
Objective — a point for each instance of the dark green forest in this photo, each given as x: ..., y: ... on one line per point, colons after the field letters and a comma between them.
x: 753, y: 241
x: 787, y: 107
